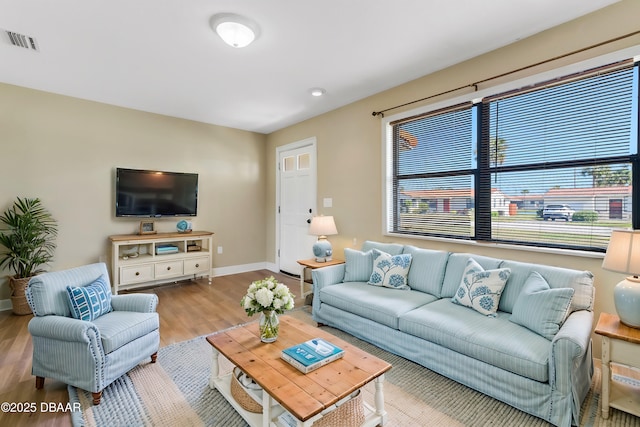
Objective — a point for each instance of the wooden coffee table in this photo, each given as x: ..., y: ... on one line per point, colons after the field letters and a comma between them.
x: 305, y: 396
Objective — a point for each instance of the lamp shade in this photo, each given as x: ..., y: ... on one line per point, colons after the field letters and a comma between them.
x: 623, y: 252
x: 323, y: 226
x: 623, y: 256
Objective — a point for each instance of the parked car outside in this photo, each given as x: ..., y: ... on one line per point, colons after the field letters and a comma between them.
x: 554, y: 212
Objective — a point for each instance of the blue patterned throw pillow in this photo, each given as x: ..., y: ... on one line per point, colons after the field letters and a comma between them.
x: 481, y: 289
x: 390, y: 271
x: 91, y: 301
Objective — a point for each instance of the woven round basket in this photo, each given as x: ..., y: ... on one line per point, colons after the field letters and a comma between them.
x: 241, y: 395
x: 349, y: 414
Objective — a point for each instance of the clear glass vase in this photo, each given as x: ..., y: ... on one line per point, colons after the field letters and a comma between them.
x: 269, y: 326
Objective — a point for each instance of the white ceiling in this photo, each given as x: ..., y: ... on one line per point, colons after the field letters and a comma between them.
x: 161, y: 56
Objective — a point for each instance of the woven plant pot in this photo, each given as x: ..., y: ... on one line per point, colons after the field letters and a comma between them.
x: 18, y: 298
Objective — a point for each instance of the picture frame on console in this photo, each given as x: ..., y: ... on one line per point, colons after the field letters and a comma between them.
x: 147, y: 227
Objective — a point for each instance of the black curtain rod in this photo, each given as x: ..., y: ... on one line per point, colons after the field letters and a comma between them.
x: 475, y: 85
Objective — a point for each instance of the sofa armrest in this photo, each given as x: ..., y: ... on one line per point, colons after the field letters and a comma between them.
x: 326, y: 276
x: 141, y: 303
x: 63, y: 329
x: 570, y: 361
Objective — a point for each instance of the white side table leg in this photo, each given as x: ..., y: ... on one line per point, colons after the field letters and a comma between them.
x: 379, y: 400
x: 215, y: 369
x: 606, y: 377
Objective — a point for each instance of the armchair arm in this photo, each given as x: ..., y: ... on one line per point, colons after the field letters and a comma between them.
x: 141, y: 303
x: 63, y: 329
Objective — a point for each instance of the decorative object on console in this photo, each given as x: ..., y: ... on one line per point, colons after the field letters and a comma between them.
x: 269, y: 298
x: 183, y: 226
x: 28, y: 234
x: 322, y: 226
x: 623, y: 256
x: 147, y: 227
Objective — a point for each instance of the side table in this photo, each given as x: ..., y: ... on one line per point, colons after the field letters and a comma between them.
x: 312, y: 264
x: 620, y: 347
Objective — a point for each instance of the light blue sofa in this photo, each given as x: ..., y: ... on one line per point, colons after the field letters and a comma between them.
x: 548, y: 378
x: 89, y: 354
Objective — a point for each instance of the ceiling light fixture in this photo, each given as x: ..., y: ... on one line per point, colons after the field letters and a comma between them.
x: 317, y: 91
x: 236, y: 31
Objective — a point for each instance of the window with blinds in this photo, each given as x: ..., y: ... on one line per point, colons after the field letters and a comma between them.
x: 551, y: 165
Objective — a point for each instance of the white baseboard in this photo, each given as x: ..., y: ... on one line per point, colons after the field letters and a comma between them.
x: 235, y: 269
x: 5, y: 304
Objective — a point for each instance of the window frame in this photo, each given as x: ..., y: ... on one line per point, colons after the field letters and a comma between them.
x: 480, y: 100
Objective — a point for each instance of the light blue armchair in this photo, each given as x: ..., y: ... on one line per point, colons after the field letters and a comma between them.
x: 119, y: 331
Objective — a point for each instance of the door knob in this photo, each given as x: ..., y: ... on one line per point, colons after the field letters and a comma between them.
x: 309, y: 221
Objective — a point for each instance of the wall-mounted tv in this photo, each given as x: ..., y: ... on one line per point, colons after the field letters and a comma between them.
x: 148, y: 193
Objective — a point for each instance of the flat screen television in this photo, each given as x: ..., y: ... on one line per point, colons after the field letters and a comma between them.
x: 148, y: 193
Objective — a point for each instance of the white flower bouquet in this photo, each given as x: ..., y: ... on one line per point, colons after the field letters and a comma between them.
x: 267, y: 295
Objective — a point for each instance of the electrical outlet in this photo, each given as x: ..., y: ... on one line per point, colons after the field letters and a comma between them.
x: 219, y: 249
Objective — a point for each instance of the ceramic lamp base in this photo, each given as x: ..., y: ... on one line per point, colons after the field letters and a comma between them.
x: 322, y: 250
x: 626, y: 296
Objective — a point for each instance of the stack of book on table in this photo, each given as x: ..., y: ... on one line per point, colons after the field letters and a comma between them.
x: 311, y: 354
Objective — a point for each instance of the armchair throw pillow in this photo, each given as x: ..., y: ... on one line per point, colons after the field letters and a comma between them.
x: 390, y: 271
x: 481, y: 289
x: 91, y: 301
x: 540, y: 308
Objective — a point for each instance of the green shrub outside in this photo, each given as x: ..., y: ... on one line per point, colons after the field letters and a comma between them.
x: 585, y: 216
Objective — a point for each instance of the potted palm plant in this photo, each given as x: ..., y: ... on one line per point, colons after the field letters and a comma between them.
x: 27, y: 232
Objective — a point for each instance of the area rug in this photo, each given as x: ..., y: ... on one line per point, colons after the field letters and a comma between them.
x: 175, y: 391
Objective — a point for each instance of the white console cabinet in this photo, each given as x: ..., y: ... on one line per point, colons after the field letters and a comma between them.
x: 139, y: 260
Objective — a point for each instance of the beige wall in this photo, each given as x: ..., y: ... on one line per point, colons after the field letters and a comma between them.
x: 65, y: 151
x: 350, y: 142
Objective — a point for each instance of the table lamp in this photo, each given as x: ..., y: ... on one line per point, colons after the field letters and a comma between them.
x: 623, y: 256
x: 322, y: 226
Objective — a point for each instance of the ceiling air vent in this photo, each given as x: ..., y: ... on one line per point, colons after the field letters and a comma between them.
x: 21, y: 40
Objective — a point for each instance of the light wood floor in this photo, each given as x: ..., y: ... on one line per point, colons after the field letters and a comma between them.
x: 187, y: 310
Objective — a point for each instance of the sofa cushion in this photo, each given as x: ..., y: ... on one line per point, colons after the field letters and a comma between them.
x: 390, y: 248
x: 540, y: 308
x: 480, y: 289
x: 90, y: 301
x: 494, y: 340
x: 455, y: 267
x: 358, y: 265
x: 372, y: 302
x: 556, y: 277
x: 427, y: 269
x: 122, y: 327
x: 390, y: 271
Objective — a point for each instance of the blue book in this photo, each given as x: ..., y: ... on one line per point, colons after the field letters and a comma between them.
x: 311, y: 354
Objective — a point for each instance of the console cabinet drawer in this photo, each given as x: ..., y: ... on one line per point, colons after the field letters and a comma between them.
x: 136, y: 273
x: 168, y: 269
x: 196, y: 265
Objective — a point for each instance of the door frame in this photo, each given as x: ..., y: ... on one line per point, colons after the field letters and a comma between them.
x: 307, y: 142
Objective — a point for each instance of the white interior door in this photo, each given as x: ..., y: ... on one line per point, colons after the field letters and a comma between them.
x: 297, y: 203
